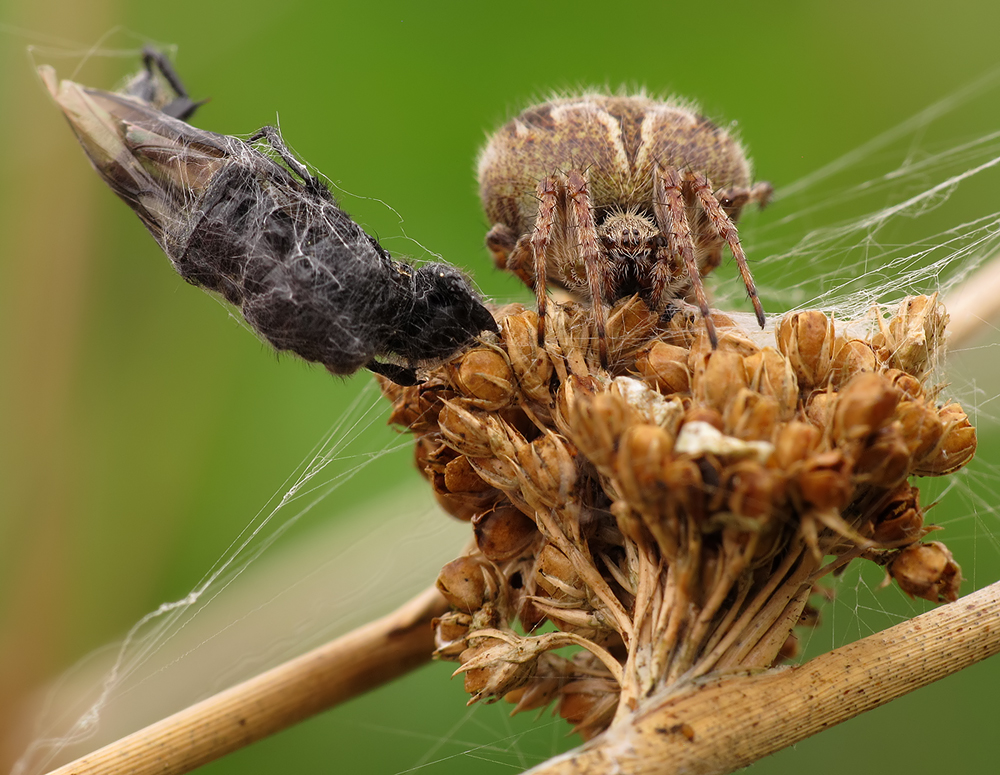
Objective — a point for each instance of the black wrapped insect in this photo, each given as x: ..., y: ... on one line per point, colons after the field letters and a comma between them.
x: 271, y: 240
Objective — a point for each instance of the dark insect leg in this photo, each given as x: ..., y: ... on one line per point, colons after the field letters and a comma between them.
x: 671, y: 217
x: 182, y: 107
x: 548, y: 195
x: 581, y: 218
x: 273, y: 138
x: 398, y: 374
x: 726, y: 229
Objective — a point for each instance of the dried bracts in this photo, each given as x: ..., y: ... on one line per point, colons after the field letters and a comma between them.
x: 267, y: 236
x: 670, y: 515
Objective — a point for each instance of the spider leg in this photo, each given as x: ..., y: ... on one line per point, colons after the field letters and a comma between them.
x: 272, y: 136
x: 726, y: 229
x: 548, y: 195
x: 761, y: 193
x: 671, y: 217
x: 581, y: 219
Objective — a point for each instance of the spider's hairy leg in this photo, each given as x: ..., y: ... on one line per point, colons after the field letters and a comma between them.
x: 726, y: 229
x: 761, y: 193
x: 548, y: 196
x: 671, y: 218
x: 272, y: 136
x: 581, y: 218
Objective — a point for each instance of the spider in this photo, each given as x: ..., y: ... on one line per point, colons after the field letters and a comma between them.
x: 608, y: 196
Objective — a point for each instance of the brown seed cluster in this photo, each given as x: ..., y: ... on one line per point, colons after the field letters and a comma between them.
x: 671, y: 515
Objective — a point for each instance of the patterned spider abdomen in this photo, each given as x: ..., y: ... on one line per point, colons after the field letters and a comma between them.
x: 616, y: 140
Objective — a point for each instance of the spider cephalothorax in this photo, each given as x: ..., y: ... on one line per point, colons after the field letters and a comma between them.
x: 608, y: 196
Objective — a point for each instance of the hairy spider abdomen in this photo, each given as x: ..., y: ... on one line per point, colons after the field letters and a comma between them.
x: 618, y: 141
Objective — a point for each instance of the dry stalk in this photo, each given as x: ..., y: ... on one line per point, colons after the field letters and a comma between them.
x: 718, y: 725
x: 351, y: 665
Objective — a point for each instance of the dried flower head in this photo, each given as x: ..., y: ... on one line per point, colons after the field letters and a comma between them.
x: 670, y: 515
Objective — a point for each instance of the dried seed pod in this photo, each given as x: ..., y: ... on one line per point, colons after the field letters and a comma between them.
x: 555, y: 573
x: 494, y: 667
x: 921, y: 427
x: 914, y: 336
x: 819, y: 408
x: 484, y: 374
x: 684, y: 326
x: 901, y: 520
x: 956, y: 447
x: 468, y: 582
x: 530, y: 363
x: 771, y: 374
x: 907, y: 384
x: 850, y: 357
x: 549, y: 678
x: 665, y: 366
x: 927, y: 571
x: 415, y: 408
x: 500, y: 472
x: 717, y: 377
x: 459, y: 477
x: 630, y: 324
x: 795, y: 442
x: 642, y: 453
x: 503, y: 532
x: 548, y: 471
x: 752, y: 491
x: 461, y: 491
x: 431, y: 454
x: 450, y: 634
x: 595, y: 421
x: 752, y: 416
x: 589, y: 705
x: 825, y: 481
x: 463, y: 506
x: 884, y: 460
x: 686, y: 487
x: 464, y: 430
x: 807, y: 339
x: 865, y: 404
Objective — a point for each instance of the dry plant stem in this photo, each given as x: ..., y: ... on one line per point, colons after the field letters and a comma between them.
x: 974, y: 305
x: 724, y: 722
x: 351, y: 665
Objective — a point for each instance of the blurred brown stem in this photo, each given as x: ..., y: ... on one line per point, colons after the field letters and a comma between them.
x: 351, y: 665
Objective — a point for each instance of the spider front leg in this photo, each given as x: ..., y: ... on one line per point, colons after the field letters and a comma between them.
x: 583, y: 226
x: 724, y: 227
x: 535, y: 247
x: 672, y: 220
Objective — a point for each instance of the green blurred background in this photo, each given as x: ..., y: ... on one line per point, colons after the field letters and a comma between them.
x: 142, y: 428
